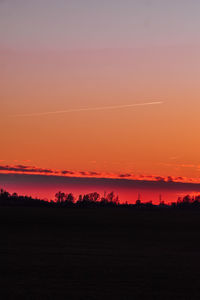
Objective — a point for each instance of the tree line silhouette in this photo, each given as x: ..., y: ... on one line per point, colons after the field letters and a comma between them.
x: 93, y: 200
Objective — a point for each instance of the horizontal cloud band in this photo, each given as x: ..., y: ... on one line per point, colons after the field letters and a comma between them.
x: 22, y: 169
x: 105, y: 183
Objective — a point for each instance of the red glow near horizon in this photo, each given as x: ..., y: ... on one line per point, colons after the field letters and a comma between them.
x: 129, y: 195
x: 45, y: 182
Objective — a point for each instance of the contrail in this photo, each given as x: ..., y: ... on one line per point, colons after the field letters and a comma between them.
x: 90, y: 109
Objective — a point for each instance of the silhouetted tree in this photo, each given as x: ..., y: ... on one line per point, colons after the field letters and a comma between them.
x: 187, y: 199
x: 138, y: 203
x: 69, y: 198
x: 60, y: 197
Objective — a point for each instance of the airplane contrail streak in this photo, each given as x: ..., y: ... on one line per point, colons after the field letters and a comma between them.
x: 90, y: 109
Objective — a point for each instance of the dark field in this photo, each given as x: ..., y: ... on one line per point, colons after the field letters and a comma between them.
x: 88, y: 254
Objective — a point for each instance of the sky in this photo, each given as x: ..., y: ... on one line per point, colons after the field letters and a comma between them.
x: 102, y: 89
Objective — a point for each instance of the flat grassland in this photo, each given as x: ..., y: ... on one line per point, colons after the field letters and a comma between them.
x: 104, y: 253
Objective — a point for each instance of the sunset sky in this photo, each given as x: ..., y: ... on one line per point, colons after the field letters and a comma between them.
x: 100, y: 89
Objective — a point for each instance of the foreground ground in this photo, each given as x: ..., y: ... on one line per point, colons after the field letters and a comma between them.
x: 88, y: 254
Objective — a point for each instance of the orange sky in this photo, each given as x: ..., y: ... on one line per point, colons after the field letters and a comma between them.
x: 155, y: 139
x: 47, y: 75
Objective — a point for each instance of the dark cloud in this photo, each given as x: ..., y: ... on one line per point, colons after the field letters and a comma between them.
x: 179, y: 178
x: 94, y: 173
x: 160, y: 178
x: 141, y: 180
x: 23, y: 167
x: 65, y: 172
x: 27, y: 169
x: 170, y: 179
x: 107, y: 183
x: 83, y: 173
x: 124, y: 175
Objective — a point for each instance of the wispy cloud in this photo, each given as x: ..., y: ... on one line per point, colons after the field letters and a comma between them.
x: 83, y: 109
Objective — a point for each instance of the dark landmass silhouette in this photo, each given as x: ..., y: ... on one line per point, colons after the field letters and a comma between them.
x: 95, y: 248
